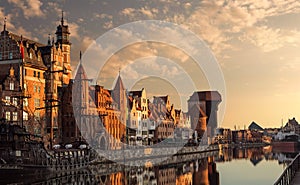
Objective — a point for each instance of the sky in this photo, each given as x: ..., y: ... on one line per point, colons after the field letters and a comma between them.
x: 255, y: 43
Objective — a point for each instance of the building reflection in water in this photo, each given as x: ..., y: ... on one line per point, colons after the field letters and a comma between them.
x: 255, y: 155
x: 197, y: 172
x: 191, y: 173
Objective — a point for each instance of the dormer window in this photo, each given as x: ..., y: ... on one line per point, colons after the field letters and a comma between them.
x: 30, y: 55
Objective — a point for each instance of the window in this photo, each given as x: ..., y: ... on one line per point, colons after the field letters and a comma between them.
x: 11, y: 86
x: 30, y: 55
x: 25, y: 102
x: 0, y: 56
x: 10, y: 55
x: 34, y: 73
x: 7, y: 116
x: 38, y: 89
x: 38, y: 74
x: 15, y: 116
x: 25, y: 116
x: 25, y: 72
x: 37, y: 115
x: 15, y: 101
x: 34, y: 88
x: 7, y: 99
x: 36, y: 102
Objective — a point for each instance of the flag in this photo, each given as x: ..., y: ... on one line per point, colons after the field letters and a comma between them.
x: 21, y: 51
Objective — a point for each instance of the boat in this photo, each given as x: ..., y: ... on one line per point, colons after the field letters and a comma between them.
x: 22, y: 153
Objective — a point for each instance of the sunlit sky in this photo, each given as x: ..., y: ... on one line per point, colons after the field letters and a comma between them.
x: 256, y: 43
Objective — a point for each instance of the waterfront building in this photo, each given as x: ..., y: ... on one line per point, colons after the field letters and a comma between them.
x: 255, y: 126
x: 182, y: 119
x: 138, y: 120
x: 203, y: 109
x: 223, y: 135
x: 39, y: 71
x: 94, y: 116
x: 292, y: 126
x: 162, y: 113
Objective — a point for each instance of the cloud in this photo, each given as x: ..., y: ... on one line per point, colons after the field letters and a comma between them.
x: 53, y: 6
x: 143, y: 12
x: 108, y: 25
x: 74, y: 30
x: 30, y: 8
x: 270, y: 39
x: 217, y: 21
x: 20, y: 30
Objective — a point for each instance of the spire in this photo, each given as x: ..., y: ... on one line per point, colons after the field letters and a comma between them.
x: 62, y: 17
x: 80, y: 56
x: 4, y: 26
x: 49, y: 39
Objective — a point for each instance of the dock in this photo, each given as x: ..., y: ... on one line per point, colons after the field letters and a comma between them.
x: 291, y: 175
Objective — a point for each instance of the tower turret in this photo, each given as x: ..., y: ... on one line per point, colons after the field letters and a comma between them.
x: 62, y: 33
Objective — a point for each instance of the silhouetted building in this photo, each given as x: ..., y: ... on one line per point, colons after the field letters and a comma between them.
x: 203, y: 109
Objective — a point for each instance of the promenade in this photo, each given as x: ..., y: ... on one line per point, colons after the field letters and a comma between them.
x: 291, y: 175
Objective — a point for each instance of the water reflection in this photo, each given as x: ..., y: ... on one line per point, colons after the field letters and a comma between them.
x: 255, y: 155
x: 192, y: 172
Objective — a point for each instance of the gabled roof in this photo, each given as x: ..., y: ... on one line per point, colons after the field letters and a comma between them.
x: 135, y: 93
x: 292, y: 122
x: 160, y: 99
x: 155, y: 114
x: 29, y: 46
x: 255, y: 126
x: 119, y: 86
x: 80, y: 72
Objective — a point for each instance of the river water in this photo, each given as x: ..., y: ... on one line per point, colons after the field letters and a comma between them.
x: 226, y: 167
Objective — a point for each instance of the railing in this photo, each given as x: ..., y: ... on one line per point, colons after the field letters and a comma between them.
x: 290, y: 172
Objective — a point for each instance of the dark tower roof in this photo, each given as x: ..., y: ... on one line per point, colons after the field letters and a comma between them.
x: 119, y: 86
x: 80, y: 74
x: 206, y: 96
x: 62, y: 32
